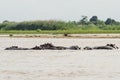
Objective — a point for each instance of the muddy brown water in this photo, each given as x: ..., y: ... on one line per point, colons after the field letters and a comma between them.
x: 59, y: 65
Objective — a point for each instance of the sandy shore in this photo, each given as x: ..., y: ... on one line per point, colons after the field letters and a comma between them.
x: 62, y: 35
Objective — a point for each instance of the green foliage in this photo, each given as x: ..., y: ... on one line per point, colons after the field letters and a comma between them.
x: 72, y: 31
x: 35, y: 25
x: 6, y: 21
x: 84, y: 20
x: 94, y: 20
x: 110, y: 21
x: 52, y: 26
x: 112, y: 27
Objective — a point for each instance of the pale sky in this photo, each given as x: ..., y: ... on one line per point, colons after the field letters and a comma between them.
x: 22, y: 10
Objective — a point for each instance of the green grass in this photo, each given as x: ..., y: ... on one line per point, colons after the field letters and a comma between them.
x: 58, y: 31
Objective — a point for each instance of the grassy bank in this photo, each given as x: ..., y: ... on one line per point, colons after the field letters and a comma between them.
x: 59, y: 27
x: 59, y: 31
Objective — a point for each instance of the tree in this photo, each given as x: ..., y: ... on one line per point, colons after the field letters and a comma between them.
x: 5, y: 21
x: 110, y: 21
x: 94, y: 19
x: 84, y: 20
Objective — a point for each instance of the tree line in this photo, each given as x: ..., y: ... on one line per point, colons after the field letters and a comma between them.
x: 84, y: 23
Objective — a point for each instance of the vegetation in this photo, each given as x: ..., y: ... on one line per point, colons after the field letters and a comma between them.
x: 58, y: 31
x: 93, y: 25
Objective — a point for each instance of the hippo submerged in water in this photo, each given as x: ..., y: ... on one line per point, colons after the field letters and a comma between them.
x: 16, y: 48
x: 106, y: 47
x: 49, y: 46
x: 46, y: 46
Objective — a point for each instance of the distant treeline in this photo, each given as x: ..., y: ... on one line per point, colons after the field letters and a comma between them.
x: 84, y: 24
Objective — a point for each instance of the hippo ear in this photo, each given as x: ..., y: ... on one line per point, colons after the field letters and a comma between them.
x: 107, y: 45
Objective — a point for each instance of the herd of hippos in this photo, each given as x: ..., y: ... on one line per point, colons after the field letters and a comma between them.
x: 50, y: 46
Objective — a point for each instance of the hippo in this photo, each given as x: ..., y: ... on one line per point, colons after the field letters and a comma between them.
x: 108, y: 47
x: 60, y: 48
x: 112, y: 45
x: 16, y: 48
x: 74, y: 48
x: 87, y: 48
x: 51, y: 47
x: 36, y: 48
x: 48, y: 46
x: 12, y: 47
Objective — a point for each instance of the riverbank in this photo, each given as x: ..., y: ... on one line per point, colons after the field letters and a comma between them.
x: 61, y: 35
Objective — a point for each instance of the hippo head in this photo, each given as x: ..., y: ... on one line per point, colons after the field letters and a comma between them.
x: 112, y: 45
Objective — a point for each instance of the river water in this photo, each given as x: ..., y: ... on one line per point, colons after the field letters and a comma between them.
x: 59, y: 65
